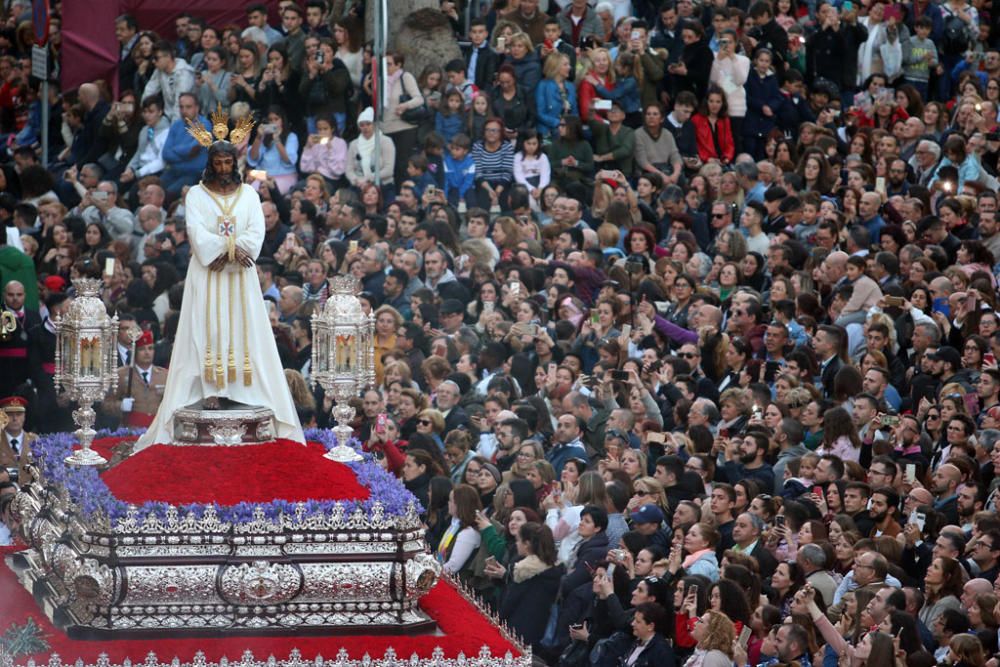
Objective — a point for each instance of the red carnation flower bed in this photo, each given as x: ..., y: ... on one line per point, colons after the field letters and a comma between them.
x: 281, y: 470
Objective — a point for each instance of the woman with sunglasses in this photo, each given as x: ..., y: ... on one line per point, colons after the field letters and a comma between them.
x: 430, y: 422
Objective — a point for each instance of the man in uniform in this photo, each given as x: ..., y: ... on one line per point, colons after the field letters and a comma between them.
x: 15, y: 442
x: 14, y: 337
x: 140, y: 387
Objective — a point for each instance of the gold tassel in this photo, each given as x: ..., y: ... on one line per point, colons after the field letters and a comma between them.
x: 220, y: 370
x: 209, y: 371
x: 247, y: 369
x: 232, y: 355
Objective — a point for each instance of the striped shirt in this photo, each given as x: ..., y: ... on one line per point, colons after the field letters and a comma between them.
x: 495, y: 167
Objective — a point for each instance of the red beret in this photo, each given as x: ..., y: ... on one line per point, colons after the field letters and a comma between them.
x: 145, y: 339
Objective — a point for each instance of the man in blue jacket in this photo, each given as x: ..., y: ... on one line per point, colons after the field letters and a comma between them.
x: 184, y: 157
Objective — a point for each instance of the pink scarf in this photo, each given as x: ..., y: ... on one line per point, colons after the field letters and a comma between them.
x: 693, y: 558
x: 390, y: 83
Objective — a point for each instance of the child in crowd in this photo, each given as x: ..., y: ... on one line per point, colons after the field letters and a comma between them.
x: 459, y: 172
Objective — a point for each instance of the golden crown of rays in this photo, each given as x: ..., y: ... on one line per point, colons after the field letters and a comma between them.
x: 220, y: 129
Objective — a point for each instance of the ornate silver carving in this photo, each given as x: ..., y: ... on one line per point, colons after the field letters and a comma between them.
x: 260, y: 582
x: 295, y: 659
x: 229, y: 424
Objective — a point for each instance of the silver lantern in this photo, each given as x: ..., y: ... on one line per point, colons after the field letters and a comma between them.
x: 343, y: 357
x: 86, y: 367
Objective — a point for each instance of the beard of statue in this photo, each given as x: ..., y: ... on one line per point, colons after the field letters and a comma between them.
x: 217, y: 178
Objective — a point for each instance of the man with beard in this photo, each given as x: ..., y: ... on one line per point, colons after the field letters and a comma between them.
x: 944, y: 486
x: 968, y: 504
x: 986, y: 555
x: 884, y: 503
x: 750, y: 453
x: 224, y: 347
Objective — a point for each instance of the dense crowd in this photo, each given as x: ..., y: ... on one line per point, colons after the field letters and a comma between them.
x: 686, y: 312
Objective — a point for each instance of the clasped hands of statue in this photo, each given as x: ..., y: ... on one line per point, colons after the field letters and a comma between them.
x: 240, y: 256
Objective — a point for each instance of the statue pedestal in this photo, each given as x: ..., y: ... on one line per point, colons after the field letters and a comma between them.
x: 225, y: 422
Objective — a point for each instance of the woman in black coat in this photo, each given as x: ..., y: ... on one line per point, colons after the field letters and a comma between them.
x: 695, y: 66
x: 532, y: 584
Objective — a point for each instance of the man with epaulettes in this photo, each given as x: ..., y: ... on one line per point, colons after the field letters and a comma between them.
x: 140, y: 387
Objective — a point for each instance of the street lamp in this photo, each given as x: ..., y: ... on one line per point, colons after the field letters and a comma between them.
x: 343, y: 357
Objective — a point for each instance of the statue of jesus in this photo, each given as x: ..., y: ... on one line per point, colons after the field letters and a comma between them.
x: 224, y: 347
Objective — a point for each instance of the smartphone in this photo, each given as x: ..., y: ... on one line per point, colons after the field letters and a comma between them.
x: 920, y: 519
x: 880, y: 185
x: 531, y: 329
x: 431, y: 190
x: 501, y: 43
x: 890, y: 420
x: 779, y: 520
x: 515, y: 288
x: 595, y: 318
x: 940, y: 305
x: 99, y: 195
x: 126, y: 107
x: 380, y: 423
x: 745, y: 636
x: 627, y: 330
x: 352, y: 246
x: 109, y: 266
x: 895, y: 301
x: 258, y: 174
x: 818, y: 490
x: 602, y: 105
x: 552, y: 368
x: 635, y: 34
x: 693, y: 590
x: 488, y: 306
x: 320, y: 56
x: 619, y: 376
x: 911, y: 472
x: 655, y: 436
x: 771, y: 371
x: 491, y: 560
x: 268, y: 128
x: 989, y: 359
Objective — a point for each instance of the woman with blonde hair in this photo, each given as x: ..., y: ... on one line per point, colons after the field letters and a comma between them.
x: 506, y: 235
x: 305, y: 402
x: 430, y: 422
x: 715, y: 635
x: 555, y: 96
x: 387, y: 323
x: 600, y: 75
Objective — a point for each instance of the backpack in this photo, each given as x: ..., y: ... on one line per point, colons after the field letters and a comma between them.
x: 955, y: 38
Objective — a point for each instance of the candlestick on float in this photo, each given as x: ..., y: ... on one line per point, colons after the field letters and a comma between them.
x: 343, y: 357
x: 85, y: 362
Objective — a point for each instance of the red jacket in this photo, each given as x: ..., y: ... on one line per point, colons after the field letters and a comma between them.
x: 706, y: 146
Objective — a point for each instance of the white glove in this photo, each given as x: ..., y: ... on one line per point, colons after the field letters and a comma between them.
x: 127, y: 404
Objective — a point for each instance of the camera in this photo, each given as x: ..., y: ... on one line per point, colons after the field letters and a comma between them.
x: 632, y: 266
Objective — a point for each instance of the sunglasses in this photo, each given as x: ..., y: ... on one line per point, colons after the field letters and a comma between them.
x: 425, y: 422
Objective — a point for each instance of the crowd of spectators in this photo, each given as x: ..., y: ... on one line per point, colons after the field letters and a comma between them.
x: 686, y: 312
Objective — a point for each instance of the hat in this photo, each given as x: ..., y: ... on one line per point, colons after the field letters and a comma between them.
x: 949, y: 354
x: 493, y: 470
x: 145, y: 339
x: 367, y: 116
x: 13, y: 404
x: 647, y: 514
x: 55, y: 283
x: 452, y: 307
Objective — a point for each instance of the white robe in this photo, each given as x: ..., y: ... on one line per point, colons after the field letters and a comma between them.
x: 186, y: 383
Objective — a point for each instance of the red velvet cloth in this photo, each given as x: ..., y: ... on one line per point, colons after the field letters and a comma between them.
x: 283, y: 470
x: 462, y: 627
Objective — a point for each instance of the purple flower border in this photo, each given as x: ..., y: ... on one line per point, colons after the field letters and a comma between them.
x: 93, y: 497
